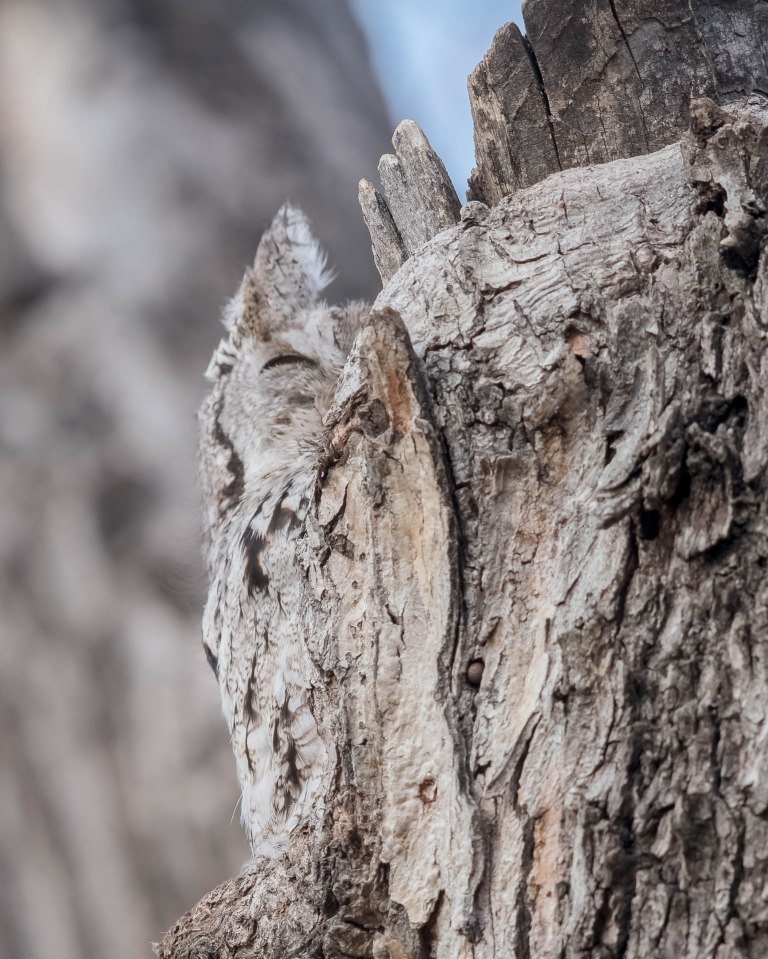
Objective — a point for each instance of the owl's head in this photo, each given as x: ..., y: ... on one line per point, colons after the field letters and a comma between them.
x: 275, y: 371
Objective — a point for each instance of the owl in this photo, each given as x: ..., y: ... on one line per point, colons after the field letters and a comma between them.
x: 274, y: 374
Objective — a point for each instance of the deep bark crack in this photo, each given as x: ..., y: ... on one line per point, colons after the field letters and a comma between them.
x: 544, y: 96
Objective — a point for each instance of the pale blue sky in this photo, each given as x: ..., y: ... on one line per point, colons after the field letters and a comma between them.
x: 423, y: 52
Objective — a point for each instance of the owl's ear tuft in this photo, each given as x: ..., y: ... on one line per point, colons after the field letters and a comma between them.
x: 290, y: 270
x: 290, y: 242
x: 288, y: 275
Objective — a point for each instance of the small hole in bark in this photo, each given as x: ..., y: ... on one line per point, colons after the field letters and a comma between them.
x: 475, y: 672
x: 713, y: 200
x: 742, y: 254
x: 683, y: 490
x: 739, y: 410
x: 650, y: 523
x: 428, y: 791
x: 331, y: 904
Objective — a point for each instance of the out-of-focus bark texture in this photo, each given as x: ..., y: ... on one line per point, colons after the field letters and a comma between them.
x: 535, y: 580
x: 144, y: 144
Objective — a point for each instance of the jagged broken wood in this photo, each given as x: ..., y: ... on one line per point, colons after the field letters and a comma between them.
x: 590, y: 82
x: 419, y: 199
x: 386, y: 242
x: 593, y: 82
x: 514, y: 139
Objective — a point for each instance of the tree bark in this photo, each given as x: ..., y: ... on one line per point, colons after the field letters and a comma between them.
x: 535, y: 589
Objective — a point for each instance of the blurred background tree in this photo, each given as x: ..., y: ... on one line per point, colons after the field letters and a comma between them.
x: 143, y: 146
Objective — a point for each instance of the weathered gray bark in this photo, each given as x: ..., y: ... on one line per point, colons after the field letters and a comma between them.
x: 598, y: 80
x: 535, y: 572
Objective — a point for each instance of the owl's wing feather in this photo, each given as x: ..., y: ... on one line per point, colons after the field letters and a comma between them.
x: 273, y: 377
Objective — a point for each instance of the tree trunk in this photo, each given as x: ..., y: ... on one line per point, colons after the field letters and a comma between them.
x: 535, y: 589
